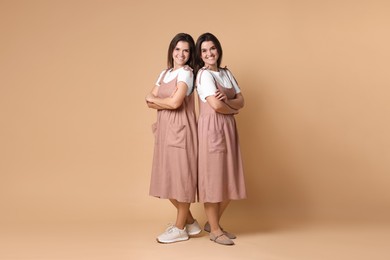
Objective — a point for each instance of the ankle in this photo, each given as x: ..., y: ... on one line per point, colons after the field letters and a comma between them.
x: 216, y: 232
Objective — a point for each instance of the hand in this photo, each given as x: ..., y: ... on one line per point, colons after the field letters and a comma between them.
x: 220, y: 96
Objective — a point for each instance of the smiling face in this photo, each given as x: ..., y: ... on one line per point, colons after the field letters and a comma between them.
x: 210, y: 55
x: 180, y: 54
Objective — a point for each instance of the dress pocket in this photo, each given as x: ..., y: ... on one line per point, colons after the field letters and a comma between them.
x: 217, y: 142
x: 176, y: 136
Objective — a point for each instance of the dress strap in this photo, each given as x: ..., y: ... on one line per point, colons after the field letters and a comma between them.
x: 186, y: 67
x: 230, y: 74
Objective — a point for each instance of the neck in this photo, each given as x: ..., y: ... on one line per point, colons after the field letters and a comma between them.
x: 213, y: 68
x: 175, y: 67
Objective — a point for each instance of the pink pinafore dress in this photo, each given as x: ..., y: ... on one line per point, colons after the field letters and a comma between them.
x: 220, y: 169
x: 174, y: 169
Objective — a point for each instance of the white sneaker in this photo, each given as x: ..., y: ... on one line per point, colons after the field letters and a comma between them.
x: 173, y: 234
x: 193, y: 229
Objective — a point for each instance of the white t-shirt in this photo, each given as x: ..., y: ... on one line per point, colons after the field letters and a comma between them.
x: 208, y: 87
x: 182, y: 74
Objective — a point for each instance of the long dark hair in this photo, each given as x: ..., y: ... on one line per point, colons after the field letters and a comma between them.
x: 198, y: 55
x: 185, y: 38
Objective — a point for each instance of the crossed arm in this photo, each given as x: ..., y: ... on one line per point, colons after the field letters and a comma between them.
x: 223, y: 105
x: 172, y: 102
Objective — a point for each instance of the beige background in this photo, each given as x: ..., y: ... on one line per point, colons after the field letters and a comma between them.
x: 75, y: 138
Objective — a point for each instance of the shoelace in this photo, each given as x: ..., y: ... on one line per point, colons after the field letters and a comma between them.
x: 169, y: 228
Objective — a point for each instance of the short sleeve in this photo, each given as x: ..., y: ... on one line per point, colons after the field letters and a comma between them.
x: 205, y: 85
x: 233, y: 81
x: 186, y: 76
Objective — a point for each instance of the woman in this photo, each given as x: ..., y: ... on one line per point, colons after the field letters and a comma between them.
x: 174, y: 169
x: 221, y: 177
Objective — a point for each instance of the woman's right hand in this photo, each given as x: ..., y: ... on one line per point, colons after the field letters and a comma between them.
x: 220, y: 96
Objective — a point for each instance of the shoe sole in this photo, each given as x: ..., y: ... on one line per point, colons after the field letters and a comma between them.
x: 224, y: 242
x: 195, y: 233
x: 219, y: 243
x: 172, y: 241
x: 231, y: 237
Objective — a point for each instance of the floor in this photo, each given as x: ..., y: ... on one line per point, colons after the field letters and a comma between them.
x: 117, y: 240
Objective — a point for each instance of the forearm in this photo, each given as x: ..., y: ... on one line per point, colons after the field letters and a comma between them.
x: 153, y: 105
x: 220, y: 106
x: 165, y: 103
x: 226, y: 110
x: 235, y: 103
x: 172, y: 102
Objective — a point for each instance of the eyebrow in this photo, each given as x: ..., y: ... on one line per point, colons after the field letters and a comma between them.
x: 213, y: 46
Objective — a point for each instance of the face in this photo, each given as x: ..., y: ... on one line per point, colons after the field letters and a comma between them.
x: 181, y: 54
x: 209, y: 54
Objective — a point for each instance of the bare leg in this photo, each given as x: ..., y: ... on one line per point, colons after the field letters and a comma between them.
x: 216, y: 233
x: 222, y: 206
x: 190, y: 219
x: 182, y: 213
x: 212, y: 213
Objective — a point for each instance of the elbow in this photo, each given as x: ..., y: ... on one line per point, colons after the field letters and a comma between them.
x: 240, y: 101
x: 175, y: 105
x: 149, y: 104
x: 242, y: 104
